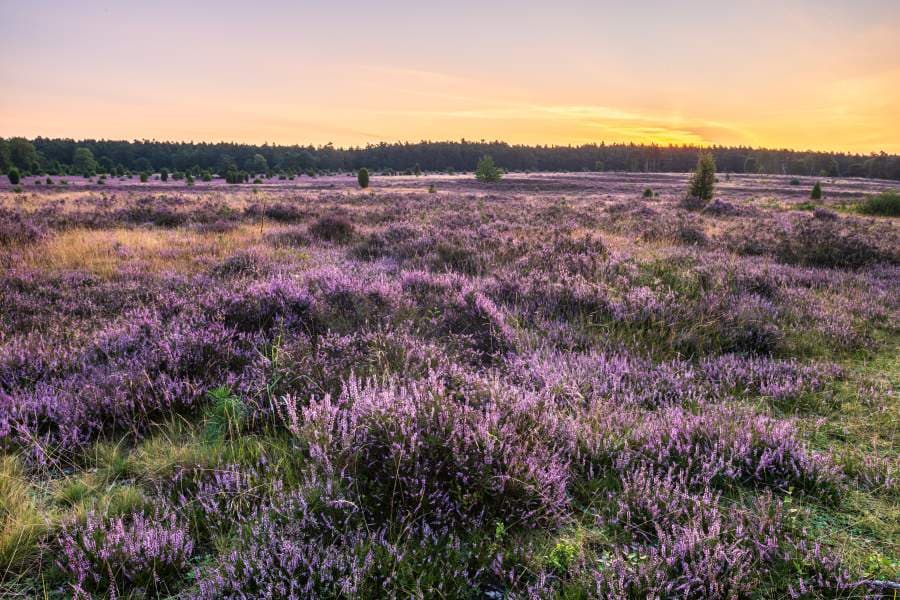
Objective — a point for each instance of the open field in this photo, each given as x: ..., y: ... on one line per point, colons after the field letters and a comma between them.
x: 550, y: 386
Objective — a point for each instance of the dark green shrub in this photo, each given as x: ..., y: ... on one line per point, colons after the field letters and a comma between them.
x: 885, y: 204
x: 144, y: 177
x: 703, y: 181
x: 816, y: 193
x: 486, y: 171
x: 14, y: 176
x: 164, y: 174
x: 362, y: 177
x: 648, y: 193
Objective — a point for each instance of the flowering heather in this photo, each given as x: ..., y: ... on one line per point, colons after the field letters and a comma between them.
x: 125, y: 553
x: 555, y: 387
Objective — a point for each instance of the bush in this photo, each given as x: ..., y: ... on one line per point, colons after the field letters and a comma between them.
x: 795, y: 181
x: 144, y: 177
x: 363, y: 178
x: 234, y: 176
x: 163, y: 174
x: 818, y: 242
x: 332, y: 228
x: 648, y: 193
x: 816, y: 193
x: 885, y: 204
x: 486, y: 171
x: 14, y: 176
x: 124, y: 553
x: 703, y: 181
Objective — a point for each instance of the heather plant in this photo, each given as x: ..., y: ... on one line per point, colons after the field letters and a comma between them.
x: 332, y: 228
x: 123, y: 554
x: 398, y: 442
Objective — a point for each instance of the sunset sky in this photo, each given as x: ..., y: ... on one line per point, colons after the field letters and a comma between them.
x: 806, y: 74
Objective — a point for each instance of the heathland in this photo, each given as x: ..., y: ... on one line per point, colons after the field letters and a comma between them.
x: 553, y: 385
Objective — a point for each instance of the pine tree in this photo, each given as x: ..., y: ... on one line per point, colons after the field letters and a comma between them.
x: 486, y: 171
x: 816, y: 193
x: 703, y: 181
x: 362, y: 177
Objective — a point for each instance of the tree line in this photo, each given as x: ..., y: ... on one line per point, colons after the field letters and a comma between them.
x: 67, y: 156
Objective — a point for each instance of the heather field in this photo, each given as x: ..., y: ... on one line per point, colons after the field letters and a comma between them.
x: 552, y: 386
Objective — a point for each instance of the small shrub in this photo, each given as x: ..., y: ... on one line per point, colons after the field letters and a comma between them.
x: 363, y: 178
x: 885, y: 204
x: 703, y: 181
x: 486, y: 171
x: 14, y: 176
x: 225, y: 416
x: 432, y: 189
x: 818, y: 242
x: 648, y: 193
x: 125, y: 553
x: 332, y: 228
x: 144, y: 177
x: 816, y: 193
x: 795, y: 181
x: 163, y: 175
x: 824, y: 214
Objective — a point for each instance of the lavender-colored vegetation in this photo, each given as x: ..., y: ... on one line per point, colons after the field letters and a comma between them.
x: 551, y: 386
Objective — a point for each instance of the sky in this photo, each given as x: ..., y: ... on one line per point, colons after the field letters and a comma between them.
x: 804, y: 74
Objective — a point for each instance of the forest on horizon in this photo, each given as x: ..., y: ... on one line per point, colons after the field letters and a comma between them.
x: 43, y: 155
